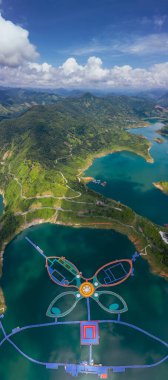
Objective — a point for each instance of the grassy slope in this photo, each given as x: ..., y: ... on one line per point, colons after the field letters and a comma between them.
x: 15, y: 101
x: 47, y: 149
x: 163, y: 185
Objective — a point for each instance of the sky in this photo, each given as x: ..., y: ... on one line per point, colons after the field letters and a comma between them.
x: 102, y: 44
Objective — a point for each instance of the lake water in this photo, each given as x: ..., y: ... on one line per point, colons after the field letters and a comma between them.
x: 1, y: 204
x: 129, y: 177
x: 28, y: 292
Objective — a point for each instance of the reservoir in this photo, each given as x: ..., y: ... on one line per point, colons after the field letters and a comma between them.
x: 28, y: 289
x: 130, y: 178
x: 28, y: 292
x: 1, y: 204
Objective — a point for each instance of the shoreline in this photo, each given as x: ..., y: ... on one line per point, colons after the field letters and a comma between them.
x: 160, y: 187
x: 2, y: 302
x: 158, y: 140
x: 2, y: 193
x: 107, y: 225
x: 104, y: 153
x: 90, y: 160
x: 150, y: 160
x: 94, y: 225
x: 88, y: 163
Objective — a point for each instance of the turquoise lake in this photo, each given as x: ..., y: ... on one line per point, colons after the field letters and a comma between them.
x: 1, y: 204
x: 28, y: 289
x: 129, y: 177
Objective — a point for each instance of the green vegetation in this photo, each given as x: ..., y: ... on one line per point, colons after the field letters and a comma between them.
x: 9, y: 225
x: 44, y: 152
x: 162, y: 185
x: 16, y: 101
x: 2, y: 302
x: 158, y: 140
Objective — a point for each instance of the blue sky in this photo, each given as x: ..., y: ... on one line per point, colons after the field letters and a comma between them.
x: 120, y: 33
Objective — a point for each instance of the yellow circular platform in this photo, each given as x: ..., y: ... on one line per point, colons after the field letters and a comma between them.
x: 86, y: 289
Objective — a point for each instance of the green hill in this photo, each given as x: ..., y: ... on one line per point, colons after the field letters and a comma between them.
x: 43, y: 153
x: 15, y: 101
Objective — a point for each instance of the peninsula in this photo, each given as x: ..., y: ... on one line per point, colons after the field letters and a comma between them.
x: 162, y: 185
x: 44, y: 153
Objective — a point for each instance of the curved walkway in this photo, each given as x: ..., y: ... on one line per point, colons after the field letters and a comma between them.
x: 55, y: 365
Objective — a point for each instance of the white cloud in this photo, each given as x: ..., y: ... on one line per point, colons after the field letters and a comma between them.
x: 89, y: 49
x: 40, y: 68
x: 94, y: 69
x: 156, y: 43
x: 153, y: 43
x: 90, y: 75
x: 70, y: 66
x: 74, y: 74
x: 15, y: 47
x: 18, y: 68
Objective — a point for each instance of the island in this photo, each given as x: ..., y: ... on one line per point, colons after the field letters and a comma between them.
x: 162, y: 185
x: 43, y: 155
x: 158, y: 140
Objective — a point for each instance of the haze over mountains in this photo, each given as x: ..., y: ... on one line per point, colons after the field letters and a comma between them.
x: 14, y: 101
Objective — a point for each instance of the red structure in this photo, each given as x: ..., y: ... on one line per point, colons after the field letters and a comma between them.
x: 89, y: 333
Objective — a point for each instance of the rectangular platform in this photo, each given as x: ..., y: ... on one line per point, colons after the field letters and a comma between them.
x: 51, y: 366
x: 89, y: 333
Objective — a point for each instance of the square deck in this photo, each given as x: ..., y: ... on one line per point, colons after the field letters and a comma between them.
x: 89, y: 333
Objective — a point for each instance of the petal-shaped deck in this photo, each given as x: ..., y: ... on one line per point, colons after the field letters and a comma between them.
x: 113, y: 273
x: 54, y: 310
x: 62, y: 271
x: 65, y: 273
x: 117, y: 304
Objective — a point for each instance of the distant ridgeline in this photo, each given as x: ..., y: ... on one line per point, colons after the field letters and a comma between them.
x: 44, y: 150
x: 16, y: 101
